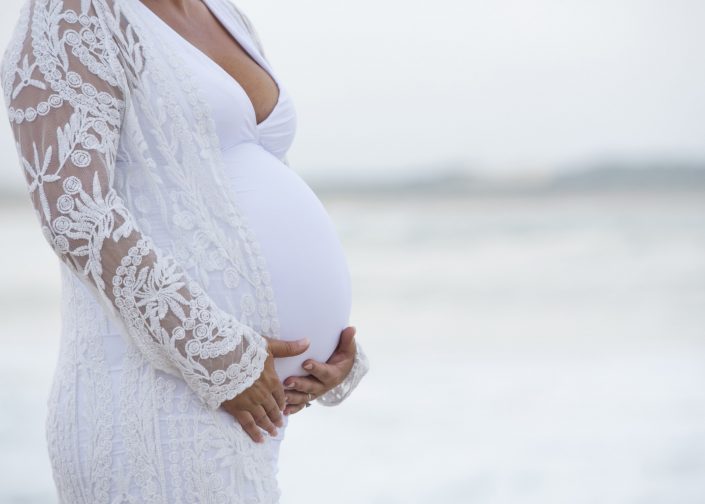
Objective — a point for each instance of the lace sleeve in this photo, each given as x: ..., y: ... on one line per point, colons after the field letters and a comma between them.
x: 360, y: 367
x: 65, y: 106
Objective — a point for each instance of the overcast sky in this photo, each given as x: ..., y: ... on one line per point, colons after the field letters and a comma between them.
x: 387, y: 86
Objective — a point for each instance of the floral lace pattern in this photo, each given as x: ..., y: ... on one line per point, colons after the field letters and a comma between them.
x: 122, y: 166
x: 67, y: 156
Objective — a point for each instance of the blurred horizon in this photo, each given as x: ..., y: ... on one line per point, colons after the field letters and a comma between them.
x: 463, y: 180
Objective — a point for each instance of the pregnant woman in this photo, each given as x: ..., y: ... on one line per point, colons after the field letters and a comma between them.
x: 205, y: 294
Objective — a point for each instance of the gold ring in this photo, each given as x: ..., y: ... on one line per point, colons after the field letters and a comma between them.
x: 309, y: 395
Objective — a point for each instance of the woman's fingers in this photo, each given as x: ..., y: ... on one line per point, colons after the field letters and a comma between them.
x: 279, y: 397
x: 294, y: 398
x: 323, y: 376
x: 323, y: 372
x: 248, y: 424
x: 347, y: 340
x: 273, y: 411
x: 306, y: 384
x: 260, y: 418
x: 263, y: 420
x: 283, y: 348
x: 293, y: 408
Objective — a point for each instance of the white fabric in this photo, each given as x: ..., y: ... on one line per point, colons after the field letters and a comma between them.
x: 167, y: 286
x: 304, y: 255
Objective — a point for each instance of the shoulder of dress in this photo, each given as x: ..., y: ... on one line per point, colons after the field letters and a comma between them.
x: 245, y: 22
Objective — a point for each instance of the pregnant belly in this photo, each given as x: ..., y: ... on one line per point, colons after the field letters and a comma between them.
x: 304, y: 255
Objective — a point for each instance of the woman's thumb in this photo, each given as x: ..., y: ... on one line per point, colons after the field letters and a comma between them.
x: 346, y: 342
x: 283, y: 348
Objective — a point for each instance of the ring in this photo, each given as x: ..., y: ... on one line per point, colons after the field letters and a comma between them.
x: 310, y: 396
x: 308, y: 404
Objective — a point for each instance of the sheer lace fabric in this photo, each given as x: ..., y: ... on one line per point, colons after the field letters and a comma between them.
x: 84, y: 84
x: 66, y: 109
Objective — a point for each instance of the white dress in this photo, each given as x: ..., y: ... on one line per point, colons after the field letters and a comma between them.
x: 133, y: 410
x: 305, y: 258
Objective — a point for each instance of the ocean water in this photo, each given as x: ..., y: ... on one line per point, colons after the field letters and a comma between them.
x: 526, y: 349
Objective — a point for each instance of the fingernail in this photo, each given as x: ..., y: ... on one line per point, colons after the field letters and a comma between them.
x: 304, y: 341
x: 291, y: 385
x: 308, y: 366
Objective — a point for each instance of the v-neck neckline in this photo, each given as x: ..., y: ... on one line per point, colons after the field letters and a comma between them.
x: 253, y: 54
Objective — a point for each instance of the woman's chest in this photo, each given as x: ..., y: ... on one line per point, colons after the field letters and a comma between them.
x: 219, y: 39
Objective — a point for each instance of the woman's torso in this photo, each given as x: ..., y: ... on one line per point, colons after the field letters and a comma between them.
x: 309, y: 273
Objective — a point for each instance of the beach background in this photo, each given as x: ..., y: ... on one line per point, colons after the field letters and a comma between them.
x: 520, y: 190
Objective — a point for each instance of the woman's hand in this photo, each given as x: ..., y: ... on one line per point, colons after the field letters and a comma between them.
x: 323, y: 376
x: 261, y: 404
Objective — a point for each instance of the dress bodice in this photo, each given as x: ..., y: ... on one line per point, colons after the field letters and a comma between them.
x: 231, y: 107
